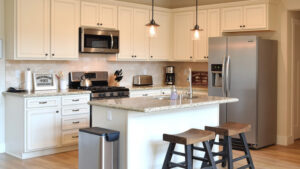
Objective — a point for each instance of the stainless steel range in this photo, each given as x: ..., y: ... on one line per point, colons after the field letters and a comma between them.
x: 99, y: 86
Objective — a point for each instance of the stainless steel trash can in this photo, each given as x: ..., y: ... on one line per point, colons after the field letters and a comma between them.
x: 98, y: 148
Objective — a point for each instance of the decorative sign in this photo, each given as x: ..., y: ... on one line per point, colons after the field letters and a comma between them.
x: 44, y: 81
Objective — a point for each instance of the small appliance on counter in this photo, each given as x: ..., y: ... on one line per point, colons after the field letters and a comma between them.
x: 142, y: 80
x: 170, y: 75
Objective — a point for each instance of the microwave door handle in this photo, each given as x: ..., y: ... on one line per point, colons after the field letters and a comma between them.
x: 112, y: 41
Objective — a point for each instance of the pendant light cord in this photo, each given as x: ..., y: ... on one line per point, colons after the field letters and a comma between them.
x: 152, y: 9
x: 196, y: 12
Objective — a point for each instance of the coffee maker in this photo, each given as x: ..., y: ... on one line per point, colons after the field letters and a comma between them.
x: 170, y: 75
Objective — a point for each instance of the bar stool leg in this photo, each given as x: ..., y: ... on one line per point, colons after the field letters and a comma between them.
x: 229, y: 152
x: 211, y: 144
x: 169, y: 156
x: 210, y: 155
x: 247, y: 151
x: 188, y: 157
x: 224, y: 157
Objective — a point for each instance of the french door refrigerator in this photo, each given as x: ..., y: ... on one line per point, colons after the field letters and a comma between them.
x: 245, y: 67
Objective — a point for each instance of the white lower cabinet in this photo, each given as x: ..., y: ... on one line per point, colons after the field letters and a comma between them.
x: 43, y: 128
x: 44, y: 125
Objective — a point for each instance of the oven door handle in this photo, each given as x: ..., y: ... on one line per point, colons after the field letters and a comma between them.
x: 112, y: 40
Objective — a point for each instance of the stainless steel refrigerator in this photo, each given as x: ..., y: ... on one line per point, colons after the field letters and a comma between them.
x: 245, y: 67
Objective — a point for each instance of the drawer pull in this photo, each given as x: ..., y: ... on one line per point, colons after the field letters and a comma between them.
x: 75, y: 100
x: 76, y: 122
x: 43, y: 102
x: 75, y: 110
x: 74, y: 136
x: 145, y: 94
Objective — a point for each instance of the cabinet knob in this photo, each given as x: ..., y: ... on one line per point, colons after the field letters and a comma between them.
x: 101, y: 24
x: 244, y: 26
x: 53, y: 54
x: 151, y: 56
x: 135, y: 56
x: 57, y: 111
x: 241, y: 26
x: 46, y: 54
x: 98, y: 24
x: 191, y: 57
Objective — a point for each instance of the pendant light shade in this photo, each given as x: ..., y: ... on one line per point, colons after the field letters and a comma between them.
x: 152, y: 25
x: 196, y: 30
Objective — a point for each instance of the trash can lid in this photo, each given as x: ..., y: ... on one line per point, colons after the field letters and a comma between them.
x: 110, y: 135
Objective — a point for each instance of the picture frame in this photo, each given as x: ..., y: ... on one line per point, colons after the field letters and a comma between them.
x: 44, y: 81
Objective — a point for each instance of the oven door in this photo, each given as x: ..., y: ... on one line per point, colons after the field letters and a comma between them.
x: 93, y: 40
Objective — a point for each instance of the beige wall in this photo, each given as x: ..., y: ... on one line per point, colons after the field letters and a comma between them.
x: 2, y: 79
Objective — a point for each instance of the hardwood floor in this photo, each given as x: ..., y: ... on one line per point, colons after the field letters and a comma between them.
x: 274, y: 157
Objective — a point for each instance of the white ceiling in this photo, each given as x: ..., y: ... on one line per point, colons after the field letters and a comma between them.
x: 179, y: 3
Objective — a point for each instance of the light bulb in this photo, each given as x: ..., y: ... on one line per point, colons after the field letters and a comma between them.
x: 196, y: 35
x: 152, y: 31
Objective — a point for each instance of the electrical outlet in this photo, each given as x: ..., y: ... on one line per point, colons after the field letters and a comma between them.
x: 109, y: 115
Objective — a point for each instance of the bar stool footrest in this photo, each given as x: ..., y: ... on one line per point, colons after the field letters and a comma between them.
x: 200, y: 159
x: 199, y: 148
x: 245, y: 166
x: 240, y: 158
x: 181, y: 165
x: 178, y: 153
x: 220, y: 161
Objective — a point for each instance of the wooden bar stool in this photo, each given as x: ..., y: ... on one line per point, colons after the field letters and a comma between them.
x: 228, y: 130
x: 188, y: 139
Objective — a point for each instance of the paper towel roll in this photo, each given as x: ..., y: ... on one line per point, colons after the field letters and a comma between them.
x: 28, y: 80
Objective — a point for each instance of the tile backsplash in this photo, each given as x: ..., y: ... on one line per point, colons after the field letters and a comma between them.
x: 92, y: 62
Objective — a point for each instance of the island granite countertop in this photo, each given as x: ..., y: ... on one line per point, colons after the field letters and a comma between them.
x: 157, y: 87
x: 155, y: 103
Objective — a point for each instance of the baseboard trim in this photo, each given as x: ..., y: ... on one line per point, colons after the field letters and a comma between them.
x: 285, y: 140
x: 2, y: 148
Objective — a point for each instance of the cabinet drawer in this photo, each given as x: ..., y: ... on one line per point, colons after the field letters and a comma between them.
x: 75, y: 99
x: 43, y: 102
x: 75, y: 122
x: 75, y: 109
x: 70, y: 137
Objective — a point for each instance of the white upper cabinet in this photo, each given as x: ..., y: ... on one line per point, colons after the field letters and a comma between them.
x: 255, y: 16
x: 33, y: 31
x: 200, y: 46
x: 45, y: 29
x: 213, y: 23
x: 89, y: 14
x: 95, y: 14
x: 232, y: 18
x: 126, y: 32
x: 183, y: 43
x: 134, y: 41
x: 65, y: 17
x: 245, y: 18
x: 161, y: 45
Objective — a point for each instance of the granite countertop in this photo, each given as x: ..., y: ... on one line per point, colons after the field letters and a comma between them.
x: 157, y: 87
x: 48, y: 93
x: 152, y: 104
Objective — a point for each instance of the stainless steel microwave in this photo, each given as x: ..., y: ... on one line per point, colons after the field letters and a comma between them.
x: 96, y: 40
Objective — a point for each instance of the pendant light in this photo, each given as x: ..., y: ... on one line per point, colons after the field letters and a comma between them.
x: 196, y: 30
x: 152, y: 26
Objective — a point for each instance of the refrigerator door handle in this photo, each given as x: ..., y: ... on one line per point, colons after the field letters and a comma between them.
x: 224, y: 76
x: 227, y: 76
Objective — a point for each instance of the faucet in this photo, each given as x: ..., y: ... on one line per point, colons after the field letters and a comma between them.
x: 189, y: 79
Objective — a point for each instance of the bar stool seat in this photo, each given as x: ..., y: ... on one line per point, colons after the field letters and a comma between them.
x: 230, y: 128
x: 188, y: 139
x: 191, y: 136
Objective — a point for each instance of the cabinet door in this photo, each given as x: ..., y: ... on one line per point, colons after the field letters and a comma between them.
x: 183, y: 43
x: 43, y: 128
x: 140, y: 34
x: 255, y: 16
x: 64, y: 29
x: 108, y: 16
x: 200, y: 46
x: 232, y: 18
x: 160, y: 46
x: 125, y: 23
x: 33, y: 29
x: 213, y: 23
x: 89, y: 13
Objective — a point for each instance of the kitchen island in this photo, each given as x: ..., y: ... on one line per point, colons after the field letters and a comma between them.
x: 143, y: 120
